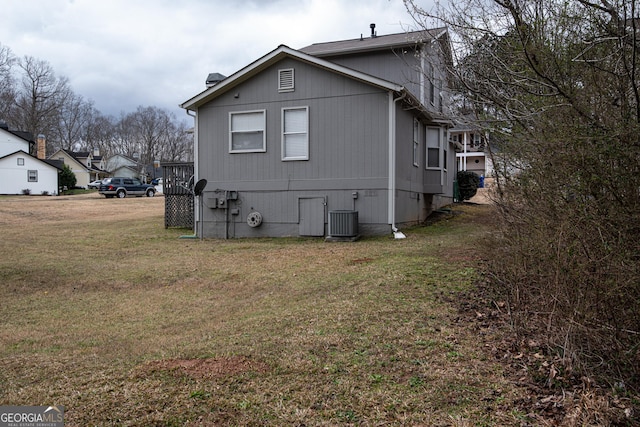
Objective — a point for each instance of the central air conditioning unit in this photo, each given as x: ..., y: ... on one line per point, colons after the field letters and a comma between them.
x: 343, y: 223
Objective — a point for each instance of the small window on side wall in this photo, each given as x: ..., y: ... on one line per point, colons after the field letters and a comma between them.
x: 286, y: 80
x: 32, y: 176
x: 247, y: 132
x: 20, y: 161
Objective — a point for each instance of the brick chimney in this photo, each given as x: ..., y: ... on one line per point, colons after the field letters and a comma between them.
x: 42, y: 147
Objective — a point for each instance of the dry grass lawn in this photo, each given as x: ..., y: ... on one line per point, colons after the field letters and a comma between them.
x: 106, y: 312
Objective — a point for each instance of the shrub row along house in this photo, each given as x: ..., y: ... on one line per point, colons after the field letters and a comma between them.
x: 335, y: 139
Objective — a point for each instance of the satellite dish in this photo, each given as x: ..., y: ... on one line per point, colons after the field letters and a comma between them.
x: 197, y: 190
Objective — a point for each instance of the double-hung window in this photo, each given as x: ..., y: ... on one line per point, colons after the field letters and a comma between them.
x: 295, y: 133
x: 32, y: 176
x: 433, y: 147
x: 247, y: 131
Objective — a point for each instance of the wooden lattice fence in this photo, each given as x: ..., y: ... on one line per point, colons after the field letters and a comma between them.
x: 178, y: 197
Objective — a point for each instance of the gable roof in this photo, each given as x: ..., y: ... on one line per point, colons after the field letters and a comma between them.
x: 273, y: 57
x: 78, y: 154
x: 123, y: 156
x: 26, y: 136
x: 375, y: 43
x: 72, y: 156
x: 55, y: 164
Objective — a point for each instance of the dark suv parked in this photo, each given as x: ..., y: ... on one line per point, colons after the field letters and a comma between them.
x: 123, y: 187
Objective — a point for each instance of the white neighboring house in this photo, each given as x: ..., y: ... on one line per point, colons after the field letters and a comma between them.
x: 471, y: 149
x: 20, y: 171
x: 121, y: 165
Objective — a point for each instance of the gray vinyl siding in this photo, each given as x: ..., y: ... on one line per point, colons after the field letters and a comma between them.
x: 348, y: 129
x: 348, y: 153
x: 348, y: 163
x: 412, y: 204
x: 281, y: 214
x: 401, y: 66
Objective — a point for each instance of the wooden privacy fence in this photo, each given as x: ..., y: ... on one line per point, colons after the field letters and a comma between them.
x: 178, y: 198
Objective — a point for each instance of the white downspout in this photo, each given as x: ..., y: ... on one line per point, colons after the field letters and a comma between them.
x: 196, y: 175
x: 195, y: 144
x: 392, y: 164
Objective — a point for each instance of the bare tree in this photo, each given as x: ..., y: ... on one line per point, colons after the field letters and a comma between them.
x: 40, y: 97
x: 125, y: 138
x: 153, y: 134
x: 178, y: 145
x: 34, y: 99
x: 555, y: 84
x: 152, y: 127
x: 75, y: 116
x: 100, y: 133
x: 7, y: 85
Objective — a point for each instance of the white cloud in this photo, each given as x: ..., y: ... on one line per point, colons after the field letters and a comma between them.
x: 126, y: 53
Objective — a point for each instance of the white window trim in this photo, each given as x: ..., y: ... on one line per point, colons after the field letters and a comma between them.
x: 416, y: 142
x: 445, y: 154
x: 282, y: 88
x: 432, y: 84
x: 446, y: 148
x: 306, y: 132
x: 264, y: 132
x: 428, y: 147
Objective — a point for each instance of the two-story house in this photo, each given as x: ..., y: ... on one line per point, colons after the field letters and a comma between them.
x: 471, y: 148
x: 335, y: 139
x: 21, y: 172
x: 86, y: 165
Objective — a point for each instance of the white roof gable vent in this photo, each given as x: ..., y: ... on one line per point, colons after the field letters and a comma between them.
x: 285, y: 80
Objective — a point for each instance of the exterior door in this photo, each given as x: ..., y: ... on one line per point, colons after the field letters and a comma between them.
x: 311, y: 216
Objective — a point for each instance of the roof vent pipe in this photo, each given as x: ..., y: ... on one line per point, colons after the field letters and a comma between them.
x: 373, y: 30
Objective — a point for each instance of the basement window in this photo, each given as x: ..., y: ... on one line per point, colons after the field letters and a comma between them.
x: 286, y: 80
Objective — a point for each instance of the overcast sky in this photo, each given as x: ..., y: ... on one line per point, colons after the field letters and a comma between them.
x: 125, y: 53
